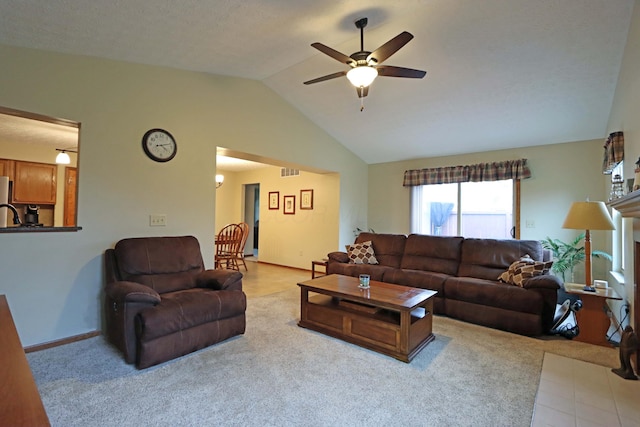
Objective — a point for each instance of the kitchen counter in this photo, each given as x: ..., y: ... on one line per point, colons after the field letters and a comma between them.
x: 37, y: 229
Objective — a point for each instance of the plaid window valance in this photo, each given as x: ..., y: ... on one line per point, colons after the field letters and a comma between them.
x: 613, y: 152
x: 496, y: 171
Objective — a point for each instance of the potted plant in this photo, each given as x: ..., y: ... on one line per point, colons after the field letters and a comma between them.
x: 567, y: 255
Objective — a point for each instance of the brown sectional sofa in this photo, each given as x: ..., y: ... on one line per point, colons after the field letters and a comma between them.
x: 465, y: 274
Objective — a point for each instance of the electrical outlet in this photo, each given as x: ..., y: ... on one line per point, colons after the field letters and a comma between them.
x: 157, y: 220
x: 530, y: 223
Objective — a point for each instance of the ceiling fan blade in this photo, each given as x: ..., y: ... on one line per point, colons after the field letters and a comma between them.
x: 362, y: 91
x: 390, y: 47
x: 327, y: 77
x: 338, y: 56
x: 391, y: 71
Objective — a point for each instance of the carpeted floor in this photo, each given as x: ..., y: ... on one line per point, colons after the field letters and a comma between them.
x: 278, y: 374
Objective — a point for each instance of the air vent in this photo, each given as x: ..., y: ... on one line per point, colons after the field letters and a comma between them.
x: 287, y: 172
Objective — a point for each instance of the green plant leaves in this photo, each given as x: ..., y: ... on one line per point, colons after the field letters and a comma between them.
x: 568, y: 255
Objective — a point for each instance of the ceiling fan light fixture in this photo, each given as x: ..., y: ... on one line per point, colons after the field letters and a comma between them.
x: 362, y: 76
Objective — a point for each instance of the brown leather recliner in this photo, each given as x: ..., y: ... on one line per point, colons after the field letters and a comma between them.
x: 161, y: 303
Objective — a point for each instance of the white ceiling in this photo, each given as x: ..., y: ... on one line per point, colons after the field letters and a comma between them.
x: 23, y: 130
x: 500, y: 73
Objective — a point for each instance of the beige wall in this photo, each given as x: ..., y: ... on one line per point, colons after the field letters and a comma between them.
x: 53, y: 280
x: 291, y: 240
x: 625, y: 116
x: 561, y: 174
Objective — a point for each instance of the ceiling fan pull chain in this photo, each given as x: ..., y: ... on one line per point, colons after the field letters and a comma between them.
x: 361, y: 104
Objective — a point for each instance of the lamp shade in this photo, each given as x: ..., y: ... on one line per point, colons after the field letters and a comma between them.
x: 63, y: 158
x: 219, y: 180
x: 362, y: 76
x: 588, y: 216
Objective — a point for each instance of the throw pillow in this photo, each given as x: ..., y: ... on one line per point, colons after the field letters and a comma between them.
x: 523, y: 269
x: 361, y: 253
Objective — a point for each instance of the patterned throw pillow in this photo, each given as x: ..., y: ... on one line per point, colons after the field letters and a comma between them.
x: 361, y: 253
x: 523, y: 269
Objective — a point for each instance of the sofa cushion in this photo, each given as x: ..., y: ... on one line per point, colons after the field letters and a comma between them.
x: 178, y: 311
x: 524, y: 268
x: 432, y: 253
x: 388, y: 248
x: 488, y: 258
x: 494, y: 294
x: 361, y: 253
x: 165, y: 264
x: 423, y: 280
x: 354, y: 270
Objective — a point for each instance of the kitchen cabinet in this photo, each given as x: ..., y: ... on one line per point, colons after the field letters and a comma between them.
x: 6, y: 168
x: 34, y: 183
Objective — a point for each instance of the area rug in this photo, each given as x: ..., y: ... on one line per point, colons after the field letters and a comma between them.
x: 279, y: 374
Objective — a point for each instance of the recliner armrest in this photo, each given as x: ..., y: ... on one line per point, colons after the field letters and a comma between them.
x: 131, y: 292
x: 548, y: 281
x: 338, y: 257
x: 220, y: 279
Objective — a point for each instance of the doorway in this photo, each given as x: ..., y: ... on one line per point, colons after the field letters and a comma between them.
x: 252, y: 217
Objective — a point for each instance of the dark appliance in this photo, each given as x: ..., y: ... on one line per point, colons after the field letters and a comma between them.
x: 31, y: 216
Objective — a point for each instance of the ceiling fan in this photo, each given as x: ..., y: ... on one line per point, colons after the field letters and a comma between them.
x: 365, y: 65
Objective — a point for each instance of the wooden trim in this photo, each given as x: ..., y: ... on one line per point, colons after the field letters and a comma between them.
x: 39, y: 117
x: 63, y: 341
x: 20, y: 402
x: 516, y: 219
x: 629, y: 207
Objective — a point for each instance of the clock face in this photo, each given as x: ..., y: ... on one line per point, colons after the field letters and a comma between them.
x: 159, y: 145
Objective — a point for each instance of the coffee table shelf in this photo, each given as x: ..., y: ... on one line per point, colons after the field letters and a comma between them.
x: 390, y: 319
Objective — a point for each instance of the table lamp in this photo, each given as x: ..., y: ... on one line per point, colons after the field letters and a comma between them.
x: 588, y: 216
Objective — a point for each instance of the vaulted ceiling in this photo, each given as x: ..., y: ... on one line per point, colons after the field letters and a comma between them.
x: 500, y: 73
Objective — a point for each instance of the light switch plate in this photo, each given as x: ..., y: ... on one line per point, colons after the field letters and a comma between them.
x: 157, y: 220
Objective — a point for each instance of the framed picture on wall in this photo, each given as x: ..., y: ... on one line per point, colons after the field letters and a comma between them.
x: 306, y: 199
x: 274, y: 200
x: 289, y: 205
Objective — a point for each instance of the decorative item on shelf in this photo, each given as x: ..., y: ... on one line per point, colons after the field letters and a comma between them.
x: 617, y: 188
x: 588, y: 216
x: 219, y: 181
x: 636, y: 182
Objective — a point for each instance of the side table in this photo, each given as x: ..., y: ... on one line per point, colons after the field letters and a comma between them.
x: 323, y: 263
x: 592, y: 318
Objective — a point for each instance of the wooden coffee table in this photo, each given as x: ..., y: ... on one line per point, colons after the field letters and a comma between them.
x: 391, y: 319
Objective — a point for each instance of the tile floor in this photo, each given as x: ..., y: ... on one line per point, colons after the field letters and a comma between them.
x: 571, y: 392
x: 581, y: 394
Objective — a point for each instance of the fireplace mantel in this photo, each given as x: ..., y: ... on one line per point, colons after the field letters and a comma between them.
x: 628, y: 206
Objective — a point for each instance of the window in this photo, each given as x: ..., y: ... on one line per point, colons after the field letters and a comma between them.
x: 470, y: 209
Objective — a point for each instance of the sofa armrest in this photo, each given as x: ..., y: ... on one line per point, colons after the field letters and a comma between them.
x: 219, y: 279
x: 546, y: 281
x: 547, y: 286
x: 131, y: 292
x: 338, y: 257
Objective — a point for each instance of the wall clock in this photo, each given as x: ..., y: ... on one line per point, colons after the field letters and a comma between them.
x: 159, y: 145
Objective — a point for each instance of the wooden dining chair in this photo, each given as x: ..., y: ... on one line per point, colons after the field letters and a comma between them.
x: 240, y: 254
x: 227, y: 242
